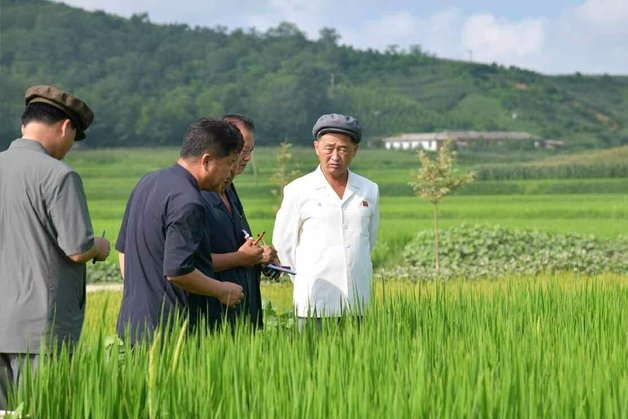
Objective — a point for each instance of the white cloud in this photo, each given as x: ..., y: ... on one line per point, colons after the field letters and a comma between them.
x: 435, y: 33
x: 450, y: 34
x: 391, y: 29
x: 590, y: 37
x: 443, y: 31
x: 491, y: 39
x: 604, y: 16
x: 307, y: 15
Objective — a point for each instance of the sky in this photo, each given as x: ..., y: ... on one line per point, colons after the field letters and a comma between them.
x: 547, y: 36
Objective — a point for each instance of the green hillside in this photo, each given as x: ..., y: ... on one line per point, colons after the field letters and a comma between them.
x: 146, y: 82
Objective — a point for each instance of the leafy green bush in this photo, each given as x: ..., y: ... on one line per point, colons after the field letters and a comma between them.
x: 103, y: 272
x: 482, y: 251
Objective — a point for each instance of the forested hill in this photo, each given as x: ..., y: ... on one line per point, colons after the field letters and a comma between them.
x: 146, y: 82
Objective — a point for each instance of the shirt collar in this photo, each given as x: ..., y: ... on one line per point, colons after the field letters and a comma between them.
x: 213, y: 198
x: 182, y: 171
x: 321, y: 181
x: 29, y: 144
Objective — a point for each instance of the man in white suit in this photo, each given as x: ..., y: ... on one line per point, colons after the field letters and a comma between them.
x: 327, y: 226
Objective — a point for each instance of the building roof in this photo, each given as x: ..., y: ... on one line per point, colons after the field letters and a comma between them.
x: 461, y: 136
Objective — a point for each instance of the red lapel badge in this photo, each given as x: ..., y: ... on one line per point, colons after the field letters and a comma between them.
x: 365, y: 204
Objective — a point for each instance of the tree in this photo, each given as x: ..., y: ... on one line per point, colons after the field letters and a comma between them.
x: 283, y: 175
x: 328, y: 36
x: 434, y: 180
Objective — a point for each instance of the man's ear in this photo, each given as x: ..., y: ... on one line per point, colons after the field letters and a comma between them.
x: 315, y: 144
x: 66, y: 125
x: 206, y: 158
x: 355, y: 149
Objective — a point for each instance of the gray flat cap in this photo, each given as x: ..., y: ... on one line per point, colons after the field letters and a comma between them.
x: 341, y: 124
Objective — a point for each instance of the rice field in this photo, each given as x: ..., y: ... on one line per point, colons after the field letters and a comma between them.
x: 515, y: 347
x: 552, y: 346
x: 586, y: 206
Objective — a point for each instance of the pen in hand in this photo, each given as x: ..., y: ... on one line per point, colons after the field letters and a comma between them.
x: 103, y: 236
x: 259, y: 238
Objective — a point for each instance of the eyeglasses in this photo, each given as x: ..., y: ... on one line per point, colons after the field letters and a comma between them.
x: 247, y: 150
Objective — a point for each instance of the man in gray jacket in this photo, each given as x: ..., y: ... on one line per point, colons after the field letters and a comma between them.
x: 46, y: 234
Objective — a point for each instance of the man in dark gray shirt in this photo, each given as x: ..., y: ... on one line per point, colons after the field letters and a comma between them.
x: 163, y: 245
x: 46, y: 234
x: 234, y: 253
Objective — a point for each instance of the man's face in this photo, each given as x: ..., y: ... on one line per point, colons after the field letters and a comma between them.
x: 246, y: 154
x: 335, y: 152
x: 217, y: 171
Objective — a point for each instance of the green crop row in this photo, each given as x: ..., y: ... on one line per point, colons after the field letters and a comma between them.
x: 576, y: 171
x: 607, y: 163
x: 516, y: 349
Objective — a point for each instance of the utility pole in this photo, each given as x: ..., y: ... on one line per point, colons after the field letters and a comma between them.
x: 332, y: 83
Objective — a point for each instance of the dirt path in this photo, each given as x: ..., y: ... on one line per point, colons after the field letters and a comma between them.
x: 104, y: 287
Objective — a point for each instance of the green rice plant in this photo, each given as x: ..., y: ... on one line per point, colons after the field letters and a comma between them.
x: 527, y: 346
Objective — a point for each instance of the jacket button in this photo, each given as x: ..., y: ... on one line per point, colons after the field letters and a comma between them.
x: 348, y: 246
x: 346, y: 226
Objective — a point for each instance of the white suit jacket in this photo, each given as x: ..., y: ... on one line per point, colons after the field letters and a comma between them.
x: 328, y: 242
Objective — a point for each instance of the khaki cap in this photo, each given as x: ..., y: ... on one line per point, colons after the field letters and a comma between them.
x: 79, y: 113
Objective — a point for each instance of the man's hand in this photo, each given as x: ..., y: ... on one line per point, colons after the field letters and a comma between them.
x: 271, y: 273
x: 231, y: 294
x: 98, y: 252
x: 250, y: 254
x: 196, y: 282
x: 269, y: 255
x: 102, y: 248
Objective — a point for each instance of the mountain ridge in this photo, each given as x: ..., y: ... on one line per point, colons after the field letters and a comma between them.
x: 147, y: 81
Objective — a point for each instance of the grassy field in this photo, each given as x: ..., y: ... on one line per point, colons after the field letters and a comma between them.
x: 514, y: 346
x: 551, y: 346
x: 587, y: 206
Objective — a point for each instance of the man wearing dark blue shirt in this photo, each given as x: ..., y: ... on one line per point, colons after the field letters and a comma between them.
x: 163, y: 242
x: 234, y: 253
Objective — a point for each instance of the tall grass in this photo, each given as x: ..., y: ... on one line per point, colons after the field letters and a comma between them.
x: 526, y: 347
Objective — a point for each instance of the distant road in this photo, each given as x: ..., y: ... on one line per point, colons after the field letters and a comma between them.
x: 104, y: 287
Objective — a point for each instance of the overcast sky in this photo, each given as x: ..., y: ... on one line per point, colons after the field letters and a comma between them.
x: 548, y: 36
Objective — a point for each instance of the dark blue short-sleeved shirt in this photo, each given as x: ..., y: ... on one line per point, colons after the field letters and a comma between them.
x: 226, y: 231
x: 163, y: 233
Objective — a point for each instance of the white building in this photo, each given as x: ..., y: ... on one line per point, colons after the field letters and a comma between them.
x: 432, y: 141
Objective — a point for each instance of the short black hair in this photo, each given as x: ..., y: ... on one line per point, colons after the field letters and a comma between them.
x: 247, y: 122
x: 43, y: 112
x: 208, y: 135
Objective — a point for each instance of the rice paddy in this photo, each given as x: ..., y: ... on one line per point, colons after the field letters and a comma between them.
x: 514, y: 347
